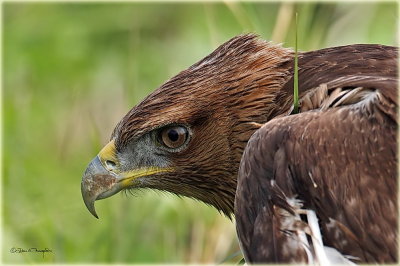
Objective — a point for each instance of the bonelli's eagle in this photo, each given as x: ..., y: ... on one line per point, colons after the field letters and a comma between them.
x: 316, y: 186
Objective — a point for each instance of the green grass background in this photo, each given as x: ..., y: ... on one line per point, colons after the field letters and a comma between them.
x: 72, y: 70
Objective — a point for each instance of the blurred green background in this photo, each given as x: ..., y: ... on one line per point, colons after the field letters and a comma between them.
x: 72, y: 70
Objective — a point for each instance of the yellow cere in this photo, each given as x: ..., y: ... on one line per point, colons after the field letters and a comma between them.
x: 129, y: 176
x: 108, y: 152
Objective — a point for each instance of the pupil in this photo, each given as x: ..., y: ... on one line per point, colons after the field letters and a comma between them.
x: 173, y: 135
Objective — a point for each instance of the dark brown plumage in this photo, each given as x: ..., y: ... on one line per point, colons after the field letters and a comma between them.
x: 337, y: 158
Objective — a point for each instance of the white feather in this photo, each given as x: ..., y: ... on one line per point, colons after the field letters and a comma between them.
x: 324, y: 255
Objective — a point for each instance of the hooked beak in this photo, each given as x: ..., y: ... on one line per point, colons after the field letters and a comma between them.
x: 100, y: 180
x: 98, y: 183
x: 103, y: 177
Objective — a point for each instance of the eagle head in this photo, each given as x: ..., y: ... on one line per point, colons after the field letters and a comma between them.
x: 187, y: 137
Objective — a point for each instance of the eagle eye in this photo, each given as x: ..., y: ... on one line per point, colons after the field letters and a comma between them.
x: 173, y: 137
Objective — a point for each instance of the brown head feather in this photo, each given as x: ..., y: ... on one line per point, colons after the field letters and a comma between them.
x: 223, y: 99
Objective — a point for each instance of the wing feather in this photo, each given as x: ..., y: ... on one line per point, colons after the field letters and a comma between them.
x: 340, y: 162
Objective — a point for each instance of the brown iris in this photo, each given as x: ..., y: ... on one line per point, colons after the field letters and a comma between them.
x: 173, y: 136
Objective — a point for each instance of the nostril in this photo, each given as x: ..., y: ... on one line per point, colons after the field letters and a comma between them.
x: 110, y: 165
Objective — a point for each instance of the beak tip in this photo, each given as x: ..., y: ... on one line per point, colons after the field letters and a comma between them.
x: 89, y: 203
x: 88, y: 198
x: 95, y: 215
x: 92, y: 210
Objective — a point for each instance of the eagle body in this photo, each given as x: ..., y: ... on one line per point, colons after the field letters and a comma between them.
x: 338, y: 157
x: 223, y: 132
